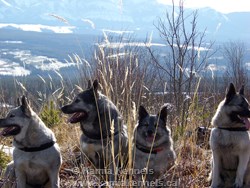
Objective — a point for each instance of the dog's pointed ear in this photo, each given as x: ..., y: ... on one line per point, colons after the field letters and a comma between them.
x: 142, y: 113
x: 242, y: 90
x: 164, y: 112
x: 95, y: 87
x: 25, y: 106
x: 230, y: 93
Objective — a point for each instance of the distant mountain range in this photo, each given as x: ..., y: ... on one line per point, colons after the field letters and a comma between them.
x: 63, y: 28
x: 91, y: 17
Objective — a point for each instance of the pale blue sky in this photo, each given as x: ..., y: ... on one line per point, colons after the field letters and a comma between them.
x: 225, y: 6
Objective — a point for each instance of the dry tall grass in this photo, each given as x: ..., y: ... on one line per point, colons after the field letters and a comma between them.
x: 129, y: 81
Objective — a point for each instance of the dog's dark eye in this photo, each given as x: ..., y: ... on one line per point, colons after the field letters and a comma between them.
x: 77, y: 100
x: 12, y: 115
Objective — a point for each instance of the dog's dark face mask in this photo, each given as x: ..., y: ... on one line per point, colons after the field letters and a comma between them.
x: 150, y: 124
x: 14, y: 121
x: 239, y: 106
x: 152, y: 129
x: 79, y: 106
x: 11, y: 127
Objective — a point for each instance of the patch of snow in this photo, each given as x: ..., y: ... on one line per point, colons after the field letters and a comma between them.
x: 120, y: 32
x: 43, y: 63
x: 5, y: 105
x: 141, y: 44
x: 39, y: 27
x: 214, y: 67
x: 247, y: 65
x: 11, y: 42
x: 12, y: 69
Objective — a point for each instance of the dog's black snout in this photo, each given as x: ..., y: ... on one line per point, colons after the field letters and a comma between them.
x: 68, y: 109
x: 64, y: 109
x: 150, y: 132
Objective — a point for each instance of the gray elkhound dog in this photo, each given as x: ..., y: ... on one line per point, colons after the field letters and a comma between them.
x: 96, y: 115
x: 230, y: 141
x: 153, y: 145
x: 36, y: 155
